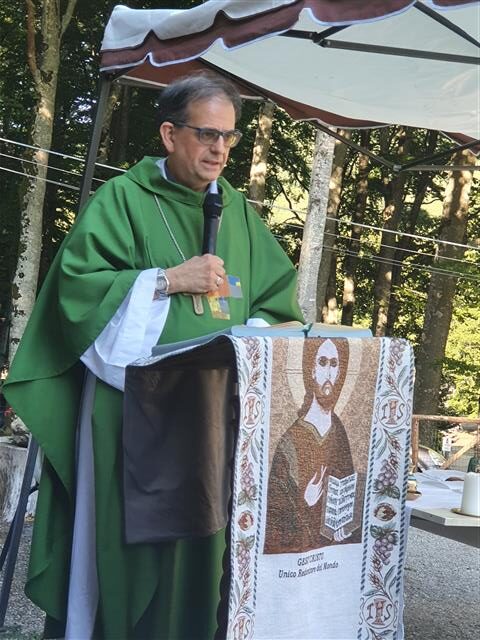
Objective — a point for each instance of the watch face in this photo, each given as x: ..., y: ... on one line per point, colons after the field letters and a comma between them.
x: 161, y: 283
x: 161, y: 287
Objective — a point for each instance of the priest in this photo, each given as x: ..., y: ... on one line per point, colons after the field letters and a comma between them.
x: 131, y: 274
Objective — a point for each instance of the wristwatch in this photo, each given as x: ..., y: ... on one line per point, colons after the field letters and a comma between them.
x: 162, y: 285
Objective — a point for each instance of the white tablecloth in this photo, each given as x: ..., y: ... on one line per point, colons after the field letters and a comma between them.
x: 437, y: 491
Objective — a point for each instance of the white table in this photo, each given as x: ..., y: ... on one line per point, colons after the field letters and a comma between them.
x: 432, y: 511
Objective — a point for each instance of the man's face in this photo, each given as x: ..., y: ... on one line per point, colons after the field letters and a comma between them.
x: 190, y: 162
x: 325, y: 373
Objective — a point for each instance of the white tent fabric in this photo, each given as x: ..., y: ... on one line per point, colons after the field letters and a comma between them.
x: 244, y: 38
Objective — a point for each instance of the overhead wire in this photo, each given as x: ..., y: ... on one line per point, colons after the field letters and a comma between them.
x: 47, y: 166
x: 387, y: 246
x: 373, y: 227
x: 339, y: 250
x: 58, y: 153
x: 268, y: 204
x: 412, y: 251
x: 426, y: 269
x: 410, y: 265
x: 26, y: 175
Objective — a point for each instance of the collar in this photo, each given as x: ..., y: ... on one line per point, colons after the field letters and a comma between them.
x: 163, y: 166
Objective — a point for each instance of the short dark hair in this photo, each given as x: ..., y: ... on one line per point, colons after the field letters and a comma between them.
x: 175, y: 99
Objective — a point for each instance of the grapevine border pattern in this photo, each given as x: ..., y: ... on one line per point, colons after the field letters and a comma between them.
x: 254, y: 376
x: 384, y: 510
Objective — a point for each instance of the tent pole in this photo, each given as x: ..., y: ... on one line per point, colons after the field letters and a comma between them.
x: 104, y: 91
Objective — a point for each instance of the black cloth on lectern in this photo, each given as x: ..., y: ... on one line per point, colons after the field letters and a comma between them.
x: 179, y: 430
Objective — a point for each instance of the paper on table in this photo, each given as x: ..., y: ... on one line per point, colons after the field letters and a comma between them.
x: 441, y: 475
x: 436, y: 493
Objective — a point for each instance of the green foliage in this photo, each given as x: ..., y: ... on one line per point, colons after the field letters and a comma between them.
x: 461, y: 367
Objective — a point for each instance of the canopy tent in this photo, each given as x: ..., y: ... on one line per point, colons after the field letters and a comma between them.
x: 342, y: 63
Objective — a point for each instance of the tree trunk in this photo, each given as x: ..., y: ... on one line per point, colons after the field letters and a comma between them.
x: 106, y: 137
x: 43, y: 51
x: 336, y: 182
x: 405, y: 243
x: 353, y: 247
x: 258, y: 171
x: 438, y: 311
x: 391, y: 218
x: 313, y: 231
x: 330, y: 311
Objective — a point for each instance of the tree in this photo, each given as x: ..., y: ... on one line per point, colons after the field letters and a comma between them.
x: 258, y: 170
x: 353, y: 246
x: 391, y: 215
x: 44, y: 37
x: 328, y: 262
x: 439, y: 307
x: 313, y: 232
x: 405, y: 244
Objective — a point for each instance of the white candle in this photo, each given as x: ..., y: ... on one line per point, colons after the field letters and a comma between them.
x: 471, y: 495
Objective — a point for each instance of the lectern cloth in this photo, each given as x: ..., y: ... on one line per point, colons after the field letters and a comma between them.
x: 327, y: 567
x: 346, y: 582
x: 119, y: 234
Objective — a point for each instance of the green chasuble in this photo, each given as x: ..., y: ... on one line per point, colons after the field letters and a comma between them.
x: 166, y: 590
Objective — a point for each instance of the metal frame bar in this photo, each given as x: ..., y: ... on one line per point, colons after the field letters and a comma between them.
x: 89, y: 169
x: 313, y: 35
x: 440, y: 154
x: 10, y: 549
x: 413, y: 166
x: 357, y: 147
x: 397, y: 51
x: 439, y: 168
x: 451, y: 26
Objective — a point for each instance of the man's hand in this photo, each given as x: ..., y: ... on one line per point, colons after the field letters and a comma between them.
x: 314, y: 489
x: 200, y: 274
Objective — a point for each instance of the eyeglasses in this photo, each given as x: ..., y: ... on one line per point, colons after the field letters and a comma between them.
x: 209, y: 136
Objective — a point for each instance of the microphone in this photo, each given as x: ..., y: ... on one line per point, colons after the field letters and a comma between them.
x: 212, y: 211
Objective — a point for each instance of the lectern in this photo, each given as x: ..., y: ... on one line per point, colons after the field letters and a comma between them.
x: 299, y: 448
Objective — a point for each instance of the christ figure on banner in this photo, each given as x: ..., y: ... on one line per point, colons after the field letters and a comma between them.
x: 312, y: 481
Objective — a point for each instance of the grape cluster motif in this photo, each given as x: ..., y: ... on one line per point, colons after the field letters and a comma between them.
x: 385, y: 483
x: 247, y: 482
x: 242, y: 551
x: 385, y: 541
x: 252, y: 346
x: 397, y: 348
